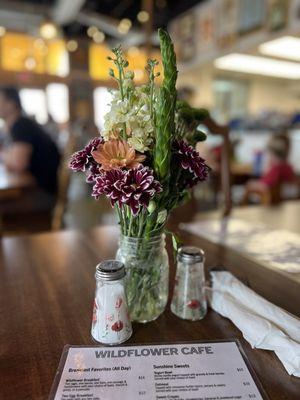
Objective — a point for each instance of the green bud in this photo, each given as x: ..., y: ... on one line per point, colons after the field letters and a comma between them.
x: 129, y: 75
x: 200, y: 114
x: 111, y: 72
x: 162, y: 216
x: 199, y: 137
x: 151, y: 207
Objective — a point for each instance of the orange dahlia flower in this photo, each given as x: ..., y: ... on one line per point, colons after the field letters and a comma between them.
x: 116, y: 154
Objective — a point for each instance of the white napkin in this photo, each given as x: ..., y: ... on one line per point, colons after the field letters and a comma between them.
x: 263, y: 325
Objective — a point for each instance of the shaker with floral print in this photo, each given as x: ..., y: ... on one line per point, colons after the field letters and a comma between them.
x: 110, y: 322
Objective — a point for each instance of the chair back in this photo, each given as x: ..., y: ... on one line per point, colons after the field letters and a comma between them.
x: 64, y: 178
x: 223, y: 130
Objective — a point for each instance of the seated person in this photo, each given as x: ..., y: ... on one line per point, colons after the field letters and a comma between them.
x: 30, y: 149
x: 278, y: 169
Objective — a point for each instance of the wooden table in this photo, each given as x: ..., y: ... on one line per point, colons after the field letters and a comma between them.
x: 279, y: 287
x: 11, y: 182
x: 12, y: 187
x: 46, y: 296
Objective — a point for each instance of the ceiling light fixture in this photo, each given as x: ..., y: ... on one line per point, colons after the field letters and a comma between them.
x: 124, y: 26
x: 258, y: 65
x: 30, y: 63
x: 284, y: 47
x: 72, y: 45
x: 92, y: 30
x: 143, y: 16
x: 99, y: 37
x: 48, y: 30
x: 40, y: 45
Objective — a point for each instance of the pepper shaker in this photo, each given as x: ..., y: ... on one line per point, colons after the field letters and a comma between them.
x: 111, y: 323
x: 189, y: 300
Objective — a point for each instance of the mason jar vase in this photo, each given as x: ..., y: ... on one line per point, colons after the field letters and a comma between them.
x: 147, y: 276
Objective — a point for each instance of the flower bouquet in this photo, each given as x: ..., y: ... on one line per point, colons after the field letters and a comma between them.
x: 145, y: 163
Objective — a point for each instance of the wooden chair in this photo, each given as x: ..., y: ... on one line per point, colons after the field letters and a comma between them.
x: 272, y: 195
x: 266, y: 197
x: 64, y: 178
x: 223, y: 130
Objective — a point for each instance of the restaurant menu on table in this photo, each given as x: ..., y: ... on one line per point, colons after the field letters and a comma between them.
x: 188, y: 371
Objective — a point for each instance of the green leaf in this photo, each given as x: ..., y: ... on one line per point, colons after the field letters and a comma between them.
x: 198, y: 136
x: 176, y: 242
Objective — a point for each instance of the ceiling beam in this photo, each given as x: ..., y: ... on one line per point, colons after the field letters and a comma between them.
x: 65, y: 11
x: 109, y: 25
x: 105, y: 23
x: 19, y: 16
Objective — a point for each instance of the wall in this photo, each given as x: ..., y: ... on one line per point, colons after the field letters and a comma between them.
x: 263, y: 94
x: 200, y: 80
x: 273, y: 94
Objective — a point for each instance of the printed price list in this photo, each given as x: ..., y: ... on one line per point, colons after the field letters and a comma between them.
x: 194, y: 371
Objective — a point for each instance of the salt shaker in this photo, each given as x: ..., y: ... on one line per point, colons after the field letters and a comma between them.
x: 189, y: 301
x: 111, y: 323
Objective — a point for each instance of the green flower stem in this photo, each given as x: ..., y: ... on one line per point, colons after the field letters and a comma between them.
x: 141, y: 223
x: 121, y: 83
x: 121, y: 221
x: 131, y: 218
x: 123, y: 97
x: 125, y: 219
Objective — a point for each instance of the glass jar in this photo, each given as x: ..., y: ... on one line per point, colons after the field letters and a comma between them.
x: 189, y: 300
x: 147, y: 275
x: 111, y: 323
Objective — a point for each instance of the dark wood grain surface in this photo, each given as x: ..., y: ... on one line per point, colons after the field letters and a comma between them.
x: 46, y: 296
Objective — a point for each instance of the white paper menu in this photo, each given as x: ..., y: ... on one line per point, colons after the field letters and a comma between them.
x: 188, y: 371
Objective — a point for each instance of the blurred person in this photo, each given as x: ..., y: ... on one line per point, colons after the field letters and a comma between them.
x: 30, y: 149
x: 278, y: 169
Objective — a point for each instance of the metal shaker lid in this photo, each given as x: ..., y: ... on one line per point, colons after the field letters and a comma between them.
x: 110, y: 270
x: 190, y: 254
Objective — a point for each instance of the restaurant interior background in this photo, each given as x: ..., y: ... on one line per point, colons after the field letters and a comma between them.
x: 240, y: 59
x: 222, y: 267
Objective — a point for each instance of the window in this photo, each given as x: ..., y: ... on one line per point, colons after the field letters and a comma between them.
x: 34, y: 104
x: 57, y: 95
x: 102, y: 98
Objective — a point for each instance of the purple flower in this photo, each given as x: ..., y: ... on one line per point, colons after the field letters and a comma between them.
x: 93, y: 145
x: 190, y: 160
x: 134, y: 187
x: 108, y: 183
x: 82, y: 159
x: 94, y: 171
x: 79, y: 161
